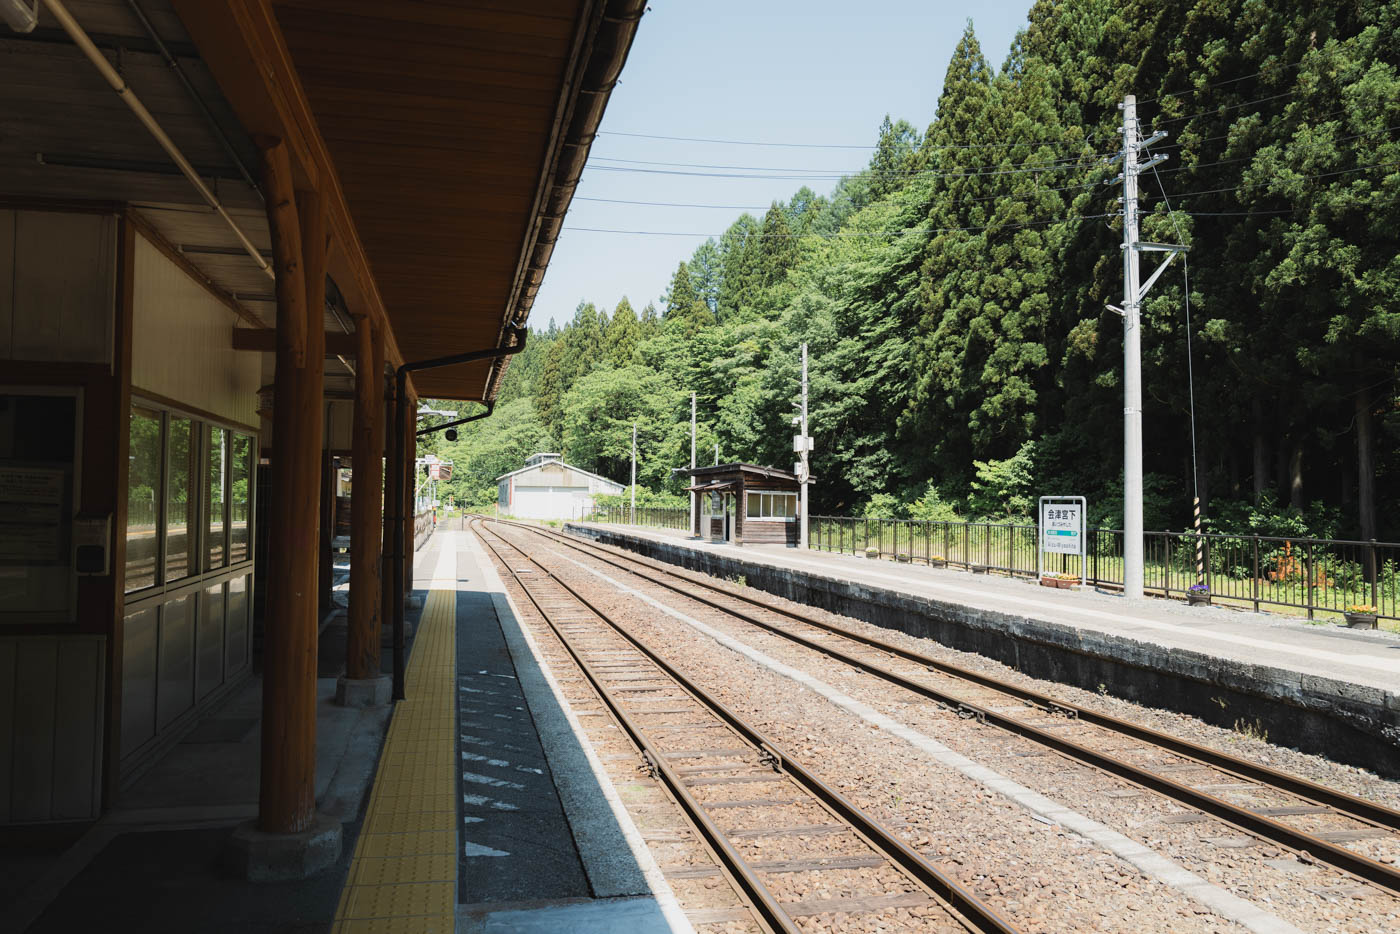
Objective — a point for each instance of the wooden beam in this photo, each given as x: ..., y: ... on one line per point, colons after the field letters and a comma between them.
x: 292, y: 323
x: 264, y: 340
x: 242, y: 44
x: 366, y: 505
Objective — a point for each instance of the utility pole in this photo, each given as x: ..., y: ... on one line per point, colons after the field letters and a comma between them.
x: 694, y: 497
x: 805, y: 475
x: 1133, y: 294
x: 716, y: 453
x: 634, y: 474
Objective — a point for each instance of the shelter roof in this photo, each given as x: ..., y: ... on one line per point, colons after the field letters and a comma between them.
x: 447, y: 139
x: 735, y: 471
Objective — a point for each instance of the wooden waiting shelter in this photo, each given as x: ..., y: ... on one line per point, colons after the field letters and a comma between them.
x: 239, y: 239
x: 745, y: 503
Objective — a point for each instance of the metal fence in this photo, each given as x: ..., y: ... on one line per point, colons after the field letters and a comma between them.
x: 1310, y: 575
x: 659, y: 517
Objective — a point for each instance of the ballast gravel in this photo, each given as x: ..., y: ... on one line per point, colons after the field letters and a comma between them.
x: 1044, y: 877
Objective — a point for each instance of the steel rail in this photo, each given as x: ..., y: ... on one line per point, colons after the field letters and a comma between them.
x: 761, y: 901
x: 965, y: 906
x: 1356, y: 808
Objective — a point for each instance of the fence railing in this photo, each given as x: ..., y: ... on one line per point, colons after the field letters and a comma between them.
x: 660, y: 517
x: 1311, y: 575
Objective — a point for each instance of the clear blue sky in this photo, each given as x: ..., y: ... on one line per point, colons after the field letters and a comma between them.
x: 793, y: 71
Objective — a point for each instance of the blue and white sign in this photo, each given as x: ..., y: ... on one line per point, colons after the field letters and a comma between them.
x: 1062, y: 528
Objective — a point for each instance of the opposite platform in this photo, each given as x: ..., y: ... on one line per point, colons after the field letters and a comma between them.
x: 1323, y: 688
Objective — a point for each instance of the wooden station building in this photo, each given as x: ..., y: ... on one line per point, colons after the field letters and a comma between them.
x: 225, y: 226
x: 745, y: 503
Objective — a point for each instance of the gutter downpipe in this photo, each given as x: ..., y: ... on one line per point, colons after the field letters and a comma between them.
x: 403, y: 472
x: 128, y: 96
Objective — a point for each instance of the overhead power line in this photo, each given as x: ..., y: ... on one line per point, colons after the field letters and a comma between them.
x: 862, y: 146
x: 1218, y: 84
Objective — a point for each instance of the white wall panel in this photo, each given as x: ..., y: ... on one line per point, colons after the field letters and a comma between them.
x: 63, y: 292
x: 183, y: 346
x: 339, y: 424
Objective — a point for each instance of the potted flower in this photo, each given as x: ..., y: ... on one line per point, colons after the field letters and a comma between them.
x: 1361, y: 616
x: 1062, y: 581
x: 937, y: 561
x: 902, y: 557
x: 1198, y: 595
x: 872, y: 552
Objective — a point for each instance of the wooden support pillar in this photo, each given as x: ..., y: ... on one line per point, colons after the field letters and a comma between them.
x: 739, y: 506
x: 366, y: 503
x: 287, y: 795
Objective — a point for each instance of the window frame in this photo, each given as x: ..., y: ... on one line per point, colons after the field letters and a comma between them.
x: 206, y: 512
x: 766, y: 506
x: 202, y: 573
x: 158, y: 493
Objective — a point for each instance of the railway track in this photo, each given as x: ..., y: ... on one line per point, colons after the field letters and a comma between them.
x: 671, y: 720
x: 1190, y: 774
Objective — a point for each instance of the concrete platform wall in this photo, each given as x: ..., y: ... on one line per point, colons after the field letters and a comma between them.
x: 1348, y: 722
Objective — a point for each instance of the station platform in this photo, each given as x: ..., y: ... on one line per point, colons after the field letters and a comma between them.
x: 1320, y: 687
x: 490, y: 811
x: 475, y: 805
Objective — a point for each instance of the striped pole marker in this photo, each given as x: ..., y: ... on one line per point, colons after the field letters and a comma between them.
x: 1200, y: 542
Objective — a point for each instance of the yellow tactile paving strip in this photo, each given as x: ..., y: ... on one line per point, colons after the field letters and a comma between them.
x: 403, y: 876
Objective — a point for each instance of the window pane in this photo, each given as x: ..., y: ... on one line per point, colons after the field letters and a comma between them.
x: 142, y: 487
x: 240, y: 498
x: 179, y: 510
x: 789, y: 505
x: 754, y: 505
x: 214, y: 476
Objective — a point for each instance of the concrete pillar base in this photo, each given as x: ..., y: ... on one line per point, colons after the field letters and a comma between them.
x: 363, y: 692
x: 283, y: 857
x: 386, y: 635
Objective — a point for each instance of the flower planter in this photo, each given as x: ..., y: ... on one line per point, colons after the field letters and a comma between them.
x: 1050, y: 582
x: 902, y: 558
x: 938, y: 563
x: 872, y: 552
x: 979, y: 569
x: 1360, y: 620
x: 1197, y: 599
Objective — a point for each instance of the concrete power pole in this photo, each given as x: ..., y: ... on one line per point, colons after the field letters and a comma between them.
x: 805, y: 468
x: 694, y: 497
x: 1133, y: 294
x: 634, y: 474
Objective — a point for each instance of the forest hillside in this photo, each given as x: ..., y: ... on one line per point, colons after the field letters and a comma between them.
x: 953, y: 293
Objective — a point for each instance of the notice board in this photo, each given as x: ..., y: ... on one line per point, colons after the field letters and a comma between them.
x: 38, y: 471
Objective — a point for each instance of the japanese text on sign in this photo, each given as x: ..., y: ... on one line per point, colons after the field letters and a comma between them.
x: 1061, y: 530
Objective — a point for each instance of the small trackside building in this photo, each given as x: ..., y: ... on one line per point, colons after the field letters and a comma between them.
x: 548, y: 488
x: 746, y: 503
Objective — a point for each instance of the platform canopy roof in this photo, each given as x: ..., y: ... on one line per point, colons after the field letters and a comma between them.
x: 723, y: 477
x: 448, y: 138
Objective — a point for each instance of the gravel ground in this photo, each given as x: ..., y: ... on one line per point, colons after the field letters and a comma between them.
x: 1311, y: 896
x: 1242, y: 743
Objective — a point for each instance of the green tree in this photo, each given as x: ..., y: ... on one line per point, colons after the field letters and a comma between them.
x: 624, y: 333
